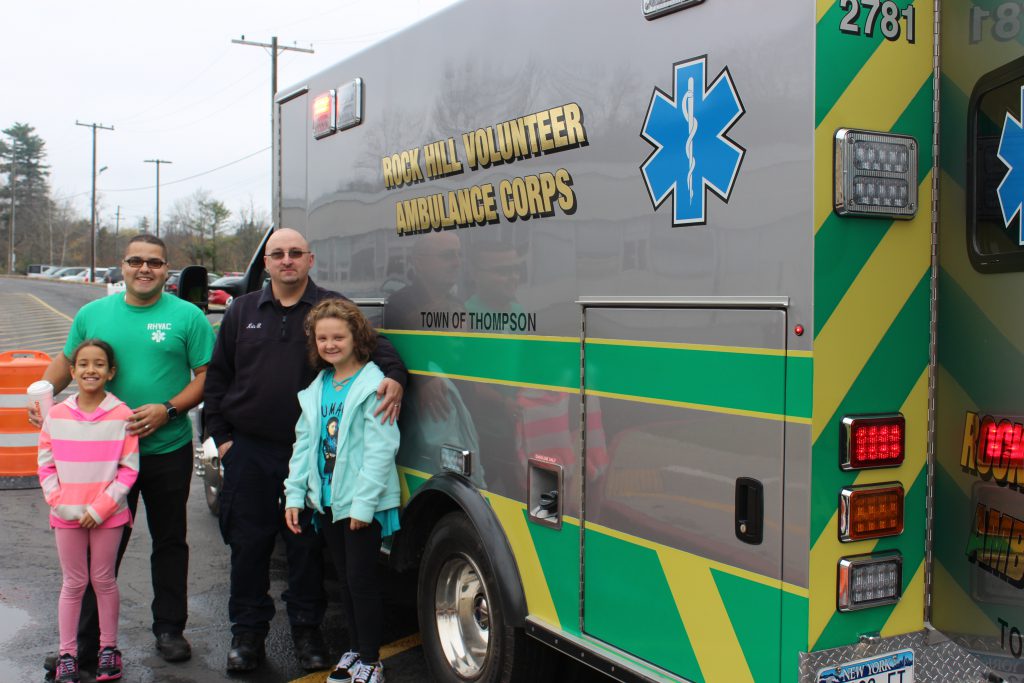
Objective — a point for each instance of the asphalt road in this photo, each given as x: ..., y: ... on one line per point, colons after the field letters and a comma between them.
x: 36, y: 314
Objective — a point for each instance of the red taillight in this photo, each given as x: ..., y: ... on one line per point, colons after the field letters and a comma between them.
x: 868, y: 441
x: 872, y: 511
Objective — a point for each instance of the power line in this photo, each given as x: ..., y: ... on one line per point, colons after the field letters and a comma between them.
x: 179, y: 180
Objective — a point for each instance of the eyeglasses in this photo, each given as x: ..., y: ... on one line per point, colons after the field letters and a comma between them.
x: 292, y: 254
x: 137, y: 261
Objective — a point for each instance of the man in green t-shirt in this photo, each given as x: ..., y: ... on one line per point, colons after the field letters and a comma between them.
x: 162, y: 346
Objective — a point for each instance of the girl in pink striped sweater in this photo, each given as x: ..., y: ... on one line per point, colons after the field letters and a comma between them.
x: 87, y: 464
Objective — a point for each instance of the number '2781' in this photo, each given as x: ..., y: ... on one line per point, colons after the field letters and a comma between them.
x: 883, y: 16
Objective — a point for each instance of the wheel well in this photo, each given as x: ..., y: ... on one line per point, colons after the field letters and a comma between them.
x: 445, y: 493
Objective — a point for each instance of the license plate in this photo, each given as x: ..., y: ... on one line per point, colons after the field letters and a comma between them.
x: 894, y: 667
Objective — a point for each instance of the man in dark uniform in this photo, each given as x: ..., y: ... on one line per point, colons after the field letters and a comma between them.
x: 259, y: 364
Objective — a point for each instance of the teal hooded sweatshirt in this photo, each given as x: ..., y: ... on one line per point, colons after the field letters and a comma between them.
x: 365, y: 477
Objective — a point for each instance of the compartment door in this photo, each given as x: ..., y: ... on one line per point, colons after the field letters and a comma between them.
x: 684, y: 415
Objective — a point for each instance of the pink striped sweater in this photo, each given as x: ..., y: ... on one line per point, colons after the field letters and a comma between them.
x: 88, y: 463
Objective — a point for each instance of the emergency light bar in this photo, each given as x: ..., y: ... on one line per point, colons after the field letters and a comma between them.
x: 872, y: 511
x: 869, y: 581
x: 876, y: 174
x: 323, y: 115
x: 868, y: 441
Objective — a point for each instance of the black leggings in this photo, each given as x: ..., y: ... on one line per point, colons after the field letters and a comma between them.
x: 355, y: 554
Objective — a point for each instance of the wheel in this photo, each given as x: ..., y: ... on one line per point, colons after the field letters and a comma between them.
x: 461, y: 613
x: 213, y: 476
x: 212, y: 498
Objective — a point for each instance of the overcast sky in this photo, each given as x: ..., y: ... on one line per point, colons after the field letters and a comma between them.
x: 173, y: 86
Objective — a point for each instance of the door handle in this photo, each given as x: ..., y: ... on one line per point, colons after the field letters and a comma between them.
x: 749, y: 510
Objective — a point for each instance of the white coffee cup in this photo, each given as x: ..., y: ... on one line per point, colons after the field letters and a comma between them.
x: 40, y: 397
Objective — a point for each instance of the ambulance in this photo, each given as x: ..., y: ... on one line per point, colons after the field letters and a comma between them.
x: 713, y: 316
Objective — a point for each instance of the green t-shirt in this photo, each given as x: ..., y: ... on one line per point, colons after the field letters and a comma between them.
x: 155, y: 347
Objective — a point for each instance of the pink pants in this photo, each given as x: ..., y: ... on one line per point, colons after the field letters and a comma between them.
x: 82, y: 550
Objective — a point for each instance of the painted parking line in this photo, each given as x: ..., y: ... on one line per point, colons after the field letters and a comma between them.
x: 387, y: 651
x: 28, y: 322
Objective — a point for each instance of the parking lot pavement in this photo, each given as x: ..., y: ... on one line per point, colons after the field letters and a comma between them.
x: 30, y: 584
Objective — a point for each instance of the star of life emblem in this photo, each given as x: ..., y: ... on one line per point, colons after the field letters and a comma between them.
x: 1011, y: 153
x: 692, y: 151
x: 158, y: 336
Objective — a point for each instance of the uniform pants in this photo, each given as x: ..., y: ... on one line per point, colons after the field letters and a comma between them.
x: 251, y: 519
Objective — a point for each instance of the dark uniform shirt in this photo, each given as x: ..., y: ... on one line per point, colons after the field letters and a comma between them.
x: 260, y: 363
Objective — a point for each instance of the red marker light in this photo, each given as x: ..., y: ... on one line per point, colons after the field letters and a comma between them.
x: 868, y: 441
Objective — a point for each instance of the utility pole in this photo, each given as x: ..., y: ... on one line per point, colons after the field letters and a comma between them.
x: 117, y: 227
x: 275, y: 49
x: 158, y: 162
x: 13, y: 177
x: 92, y: 239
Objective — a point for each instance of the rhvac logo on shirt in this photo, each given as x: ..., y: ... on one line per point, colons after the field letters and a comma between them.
x: 158, y: 331
x: 692, y: 152
x: 1011, y: 153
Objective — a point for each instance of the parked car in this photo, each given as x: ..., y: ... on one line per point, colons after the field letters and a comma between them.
x: 113, y: 275
x: 39, y: 269
x: 172, y: 282
x: 83, y: 276
x: 61, y: 272
x: 224, y: 290
x: 74, y: 274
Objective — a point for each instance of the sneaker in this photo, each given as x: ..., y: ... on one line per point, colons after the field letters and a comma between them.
x: 67, y: 669
x: 109, y: 666
x: 343, y: 671
x: 372, y: 672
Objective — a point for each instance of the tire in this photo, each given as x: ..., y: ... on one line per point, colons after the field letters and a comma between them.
x: 462, y: 616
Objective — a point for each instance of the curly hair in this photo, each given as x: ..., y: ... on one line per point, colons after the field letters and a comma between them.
x: 363, y: 335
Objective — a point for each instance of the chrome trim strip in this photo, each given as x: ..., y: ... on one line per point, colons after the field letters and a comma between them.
x: 291, y: 95
x: 369, y: 300
x: 619, y: 666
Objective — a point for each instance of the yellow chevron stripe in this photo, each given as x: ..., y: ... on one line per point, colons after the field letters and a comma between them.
x: 868, y: 308
x: 908, y: 614
x: 987, y: 292
x: 510, y: 514
x: 539, y: 602
x: 957, y: 607
x: 990, y: 54
x: 874, y: 100
x: 949, y: 427
x: 705, y: 562
x: 822, y: 7
x: 704, y: 615
x: 827, y: 549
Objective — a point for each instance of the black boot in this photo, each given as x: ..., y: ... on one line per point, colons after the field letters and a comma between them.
x: 246, y: 652
x: 310, y: 648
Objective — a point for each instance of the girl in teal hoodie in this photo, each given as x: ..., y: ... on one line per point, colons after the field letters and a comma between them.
x: 343, y: 467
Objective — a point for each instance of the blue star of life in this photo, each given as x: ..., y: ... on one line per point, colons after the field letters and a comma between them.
x: 692, y: 152
x: 1011, y: 153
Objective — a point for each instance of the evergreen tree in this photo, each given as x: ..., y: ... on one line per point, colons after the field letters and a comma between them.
x: 26, y: 189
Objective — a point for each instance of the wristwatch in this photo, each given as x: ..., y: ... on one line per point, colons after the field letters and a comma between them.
x: 172, y: 412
